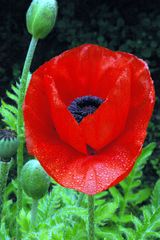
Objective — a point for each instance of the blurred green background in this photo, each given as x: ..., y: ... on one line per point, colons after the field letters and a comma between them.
x: 127, y: 25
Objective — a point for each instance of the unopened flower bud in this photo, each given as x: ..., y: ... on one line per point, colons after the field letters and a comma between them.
x: 8, y: 144
x: 41, y: 17
x: 34, y: 179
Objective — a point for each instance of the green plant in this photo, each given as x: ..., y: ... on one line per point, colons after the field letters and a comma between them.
x: 122, y: 213
x: 8, y: 111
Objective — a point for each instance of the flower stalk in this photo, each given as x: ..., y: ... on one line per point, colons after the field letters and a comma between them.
x: 4, y: 170
x: 20, y: 129
x: 91, y: 233
x: 34, y: 211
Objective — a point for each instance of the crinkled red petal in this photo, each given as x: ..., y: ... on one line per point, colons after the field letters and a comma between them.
x: 82, y: 71
x: 89, y: 174
x: 109, y: 120
x: 65, y: 124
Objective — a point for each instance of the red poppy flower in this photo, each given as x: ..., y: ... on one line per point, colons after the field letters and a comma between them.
x: 86, y: 113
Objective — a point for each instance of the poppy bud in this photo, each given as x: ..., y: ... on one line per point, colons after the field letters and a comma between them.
x: 34, y: 179
x: 41, y: 17
x: 8, y: 144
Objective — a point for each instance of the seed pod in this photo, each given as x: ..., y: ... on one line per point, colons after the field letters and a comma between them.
x: 34, y: 179
x: 41, y: 17
x: 8, y: 144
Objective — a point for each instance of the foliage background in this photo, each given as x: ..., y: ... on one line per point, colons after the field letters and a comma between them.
x: 127, y: 25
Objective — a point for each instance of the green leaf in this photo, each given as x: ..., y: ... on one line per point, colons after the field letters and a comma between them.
x: 24, y: 221
x: 9, y: 111
x: 140, y: 197
x: 146, y: 153
x: 108, y: 233
x: 10, y: 108
x: 156, y: 195
x: 12, y: 96
x: 105, y: 212
x: 132, y: 194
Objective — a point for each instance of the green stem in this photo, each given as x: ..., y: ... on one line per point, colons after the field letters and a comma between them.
x: 91, y: 235
x: 20, y: 130
x: 4, y: 170
x: 34, y: 211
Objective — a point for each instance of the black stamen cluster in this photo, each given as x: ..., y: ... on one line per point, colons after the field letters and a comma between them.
x: 83, y: 106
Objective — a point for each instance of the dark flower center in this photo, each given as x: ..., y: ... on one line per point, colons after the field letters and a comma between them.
x: 83, y: 106
x: 7, y: 134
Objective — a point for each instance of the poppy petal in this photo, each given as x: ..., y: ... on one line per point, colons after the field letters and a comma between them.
x: 65, y: 124
x: 114, y: 162
x: 83, y: 71
x: 88, y: 174
x: 109, y: 120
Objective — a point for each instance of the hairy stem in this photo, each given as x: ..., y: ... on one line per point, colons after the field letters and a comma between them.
x: 34, y: 211
x: 4, y: 170
x: 91, y: 235
x: 20, y: 130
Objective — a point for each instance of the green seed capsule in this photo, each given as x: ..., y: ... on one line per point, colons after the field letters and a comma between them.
x: 8, y: 144
x: 34, y: 179
x: 41, y: 17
